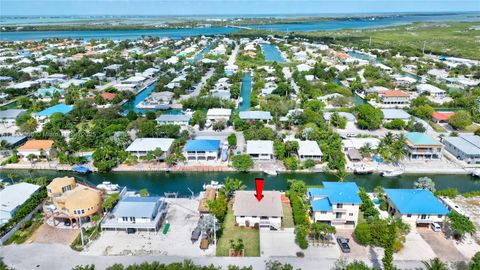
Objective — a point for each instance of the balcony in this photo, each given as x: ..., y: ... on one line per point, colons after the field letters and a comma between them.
x: 340, y: 210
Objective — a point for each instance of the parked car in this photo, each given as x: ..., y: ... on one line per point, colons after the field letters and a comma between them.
x: 343, y: 243
x: 67, y: 223
x: 131, y: 230
x: 435, y: 227
x: 196, y: 234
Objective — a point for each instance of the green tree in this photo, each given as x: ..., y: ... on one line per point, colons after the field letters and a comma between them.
x: 242, y: 162
x: 218, y: 207
x: 387, y: 260
x: 460, y: 225
x: 363, y: 233
x: 475, y: 262
x: 435, y: 264
x: 230, y: 186
x: 199, y: 117
x: 460, y: 120
x: 424, y: 183
x: 291, y: 163
x: 369, y: 117
x: 232, y: 140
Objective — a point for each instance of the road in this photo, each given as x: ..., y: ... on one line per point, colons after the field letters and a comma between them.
x: 288, y: 75
x: 233, y: 56
x: 56, y: 256
x: 200, y: 85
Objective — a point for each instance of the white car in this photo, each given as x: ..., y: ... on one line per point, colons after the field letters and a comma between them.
x: 435, y: 227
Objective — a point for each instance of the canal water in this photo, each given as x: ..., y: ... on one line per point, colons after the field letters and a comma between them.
x: 246, y: 91
x: 338, y: 24
x: 159, y: 182
x: 132, y: 105
x: 272, y: 54
x: 199, y: 56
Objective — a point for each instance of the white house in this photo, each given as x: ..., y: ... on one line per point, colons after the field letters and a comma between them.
x: 217, y: 114
x: 309, y: 150
x: 141, y: 146
x: 12, y: 197
x: 431, y: 90
x: 260, y: 150
x: 8, y: 117
x: 202, y: 150
x: 337, y: 204
x: 416, y: 207
x: 392, y: 114
x: 266, y: 213
x: 174, y: 119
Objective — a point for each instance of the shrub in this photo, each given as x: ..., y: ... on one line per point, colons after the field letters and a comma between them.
x: 291, y: 163
x: 363, y: 234
x: 309, y: 163
x: 242, y: 162
x: 449, y: 192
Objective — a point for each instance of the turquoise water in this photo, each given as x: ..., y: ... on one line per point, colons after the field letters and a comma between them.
x: 246, y: 91
x: 272, y: 54
x: 200, y: 55
x: 131, y: 105
x: 160, y: 182
x: 341, y: 23
x: 363, y: 56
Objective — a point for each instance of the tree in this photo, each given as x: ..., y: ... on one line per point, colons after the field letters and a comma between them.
x: 131, y: 115
x: 319, y: 231
x: 232, y: 140
x: 218, y: 207
x: 460, y: 224
x: 424, y: 183
x: 31, y: 158
x: 199, y: 117
x: 309, y: 163
x: 395, y: 124
x: 435, y: 264
x: 230, y: 186
x: 143, y: 192
x: 475, y: 263
x: 291, y: 163
x: 363, y: 234
x: 242, y: 162
x: 219, y: 125
x: 338, y: 121
x: 460, y: 120
x: 369, y: 117
x: 158, y: 153
x: 387, y: 260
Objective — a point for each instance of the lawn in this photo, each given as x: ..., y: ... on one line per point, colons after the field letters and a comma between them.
x: 472, y: 128
x: 437, y: 127
x: 287, y: 221
x: 250, y: 237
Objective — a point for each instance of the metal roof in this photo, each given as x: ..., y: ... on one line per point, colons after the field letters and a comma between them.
x: 260, y: 147
x: 254, y: 115
x: 246, y: 204
x: 416, y: 201
x: 202, y: 145
x: 173, y: 118
x: 59, y: 108
x: 337, y: 192
x: 309, y: 148
x: 150, y: 144
x: 11, y: 113
x: 139, y: 207
x: 467, y: 144
x: 15, y: 195
x: 321, y: 205
x: 418, y: 138
x: 395, y: 114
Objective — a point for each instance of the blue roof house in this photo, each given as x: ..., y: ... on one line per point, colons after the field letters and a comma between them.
x: 59, y: 108
x: 337, y: 204
x: 202, y: 150
x: 417, y: 207
x: 423, y: 147
x: 140, y: 213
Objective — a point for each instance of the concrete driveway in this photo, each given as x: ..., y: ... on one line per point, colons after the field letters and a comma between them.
x: 444, y: 248
x: 278, y: 243
x: 415, y: 248
x: 357, y: 251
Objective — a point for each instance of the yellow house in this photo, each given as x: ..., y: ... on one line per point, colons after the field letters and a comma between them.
x: 68, y: 200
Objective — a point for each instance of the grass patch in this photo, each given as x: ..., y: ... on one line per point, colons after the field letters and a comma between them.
x: 287, y: 221
x: 250, y: 237
x: 472, y: 128
x: 436, y: 127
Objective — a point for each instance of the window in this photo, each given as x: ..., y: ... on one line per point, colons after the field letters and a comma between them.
x: 409, y: 215
x: 323, y: 212
x: 338, y: 215
x: 440, y: 216
x: 339, y: 205
x: 350, y: 214
x: 125, y: 218
x: 74, y: 212
x: 83, y: 211
x: 132, y: 219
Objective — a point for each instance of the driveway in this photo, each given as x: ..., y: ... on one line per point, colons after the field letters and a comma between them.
x: 444, y: 248
x: 357, y: 251
x: 415, y: 248
x: 278, y: 243
x: 50, y: 235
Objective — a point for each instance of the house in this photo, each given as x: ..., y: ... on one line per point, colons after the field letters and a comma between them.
x: 136, y: 80
x: 8, y: 117
x: 68, y: 200
x: 13, y: 141
x: 394, y: 98
x: 304, y: 67
x: 217, y: 114
x: 48, y: 92
x: 12, y: 197
x: 350, y: 117
x: 140, y: 213
x: 108, y: 96
x: 337, y: 204
x: 392, y: 114
x: 59, y: 108
x: 464, y: 147
x: 431, y: 90
x: 416, y: 207
x: 174, y: 119
x: 422, y: 146
x: 38, y: 148
x: 441, y: 117
x: 260, y: 150
x: 202, y: 150
x: 266, y: 213
x: 141, y: 146
x: 309, y: 150
x: 255, y: 116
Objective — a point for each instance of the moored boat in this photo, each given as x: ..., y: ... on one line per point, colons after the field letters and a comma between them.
x: 108, y: 186
x: 392, y: 173
x: 212, y: 184
x: 476, y: 173
x: 271, y: 172
x: 363, y: 170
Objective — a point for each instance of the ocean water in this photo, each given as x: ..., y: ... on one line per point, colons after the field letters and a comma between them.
x: 337, y: 24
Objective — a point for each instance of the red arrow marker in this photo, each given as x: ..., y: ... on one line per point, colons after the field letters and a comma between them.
x: 259, y: 188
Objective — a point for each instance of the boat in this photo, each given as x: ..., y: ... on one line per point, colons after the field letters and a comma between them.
x: 270, y: 172
x: 476, y: 173
x: 109, y: 187
x: 392, y: 173
x: 363, y: 170
x: 212, y: 184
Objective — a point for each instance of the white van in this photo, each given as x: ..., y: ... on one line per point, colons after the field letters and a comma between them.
x: 435, y: 227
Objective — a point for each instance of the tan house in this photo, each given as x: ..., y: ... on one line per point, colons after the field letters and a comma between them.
x: 39, y: 148
x: 68, y: 200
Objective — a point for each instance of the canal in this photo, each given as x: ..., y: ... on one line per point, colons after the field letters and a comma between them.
x: 246, y: 91
x: 132, y: 105
x: 272, y: 54
x: 159, y: 182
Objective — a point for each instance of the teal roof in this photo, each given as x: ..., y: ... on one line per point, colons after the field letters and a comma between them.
x: 416, y: 201
x: 420, y: 138
x: 321, y: 205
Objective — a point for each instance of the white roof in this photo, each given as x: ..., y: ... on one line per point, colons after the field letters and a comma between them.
x: 424, y: 87
x: 15, y: 195
x: 219, y: 112
x: 357, y: 143
x: 309, y: 148
x: 247, y: 205
x: 395, y: 114
x: 150, y: 144
x: 135, y: 79
x: 260, y: 147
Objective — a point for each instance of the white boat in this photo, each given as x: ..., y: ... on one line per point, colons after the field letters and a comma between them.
x: 363, y: 170
x: 213, y: 184
x: 392, y: 173
x: 476, y: 173
x: 270, y: 172
x: 107, y: 186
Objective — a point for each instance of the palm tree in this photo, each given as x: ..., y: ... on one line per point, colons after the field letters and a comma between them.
x: 4, y: 145
x: 231, y: 185
x: 366, y: 150
x: 30, y: 158
x: 435, y: 264
x: 398, y: 150
x: 158, y: 153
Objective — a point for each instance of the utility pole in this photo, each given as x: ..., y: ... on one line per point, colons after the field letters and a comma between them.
x: 214, y: 230
x: 81, y: 232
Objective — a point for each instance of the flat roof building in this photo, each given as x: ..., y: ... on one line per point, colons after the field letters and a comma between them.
x: 141, y: 146
x: 174, y: 119
x: 392, y: 114
x: 309, y: 150
x: 12, y: 197
x: 255, y: 115
x: 422, y: 146
x: 464, y: 147
x: 202, y: 150
x: 260, y: 150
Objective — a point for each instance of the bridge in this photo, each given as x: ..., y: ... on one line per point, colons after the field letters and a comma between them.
x: 240, y: 27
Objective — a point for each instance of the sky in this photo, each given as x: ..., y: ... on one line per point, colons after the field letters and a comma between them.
x: 228, y: 7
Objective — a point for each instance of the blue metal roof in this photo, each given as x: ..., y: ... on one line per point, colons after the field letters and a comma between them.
x: 416, y: 201
x: 321, y: 205
x: 59, y: 108
x: 337, y: 192
x: 202, y: 145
